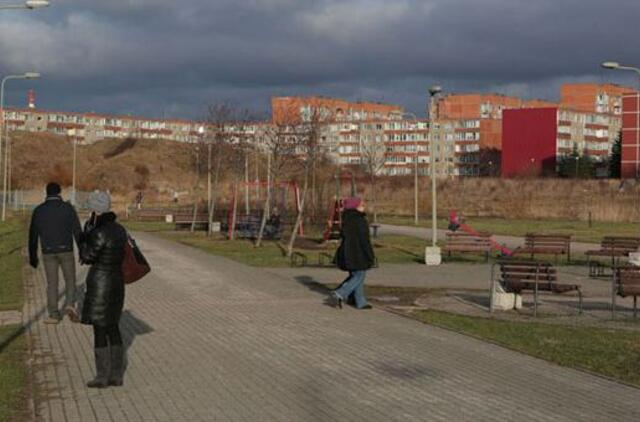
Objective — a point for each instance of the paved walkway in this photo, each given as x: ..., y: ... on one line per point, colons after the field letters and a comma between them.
x: 209, y: 339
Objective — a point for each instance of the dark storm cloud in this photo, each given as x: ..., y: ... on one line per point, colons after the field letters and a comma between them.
x: 167, y: 57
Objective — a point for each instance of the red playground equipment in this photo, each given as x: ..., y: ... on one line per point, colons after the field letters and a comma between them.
x: 332, y: 232
x: 456, y: 223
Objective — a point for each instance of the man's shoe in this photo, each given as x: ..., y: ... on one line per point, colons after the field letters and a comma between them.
x: 102, y: 368
x: 51, y: 320
x: 366, y: 307
x: 335, y: 300
x: 71, y: 312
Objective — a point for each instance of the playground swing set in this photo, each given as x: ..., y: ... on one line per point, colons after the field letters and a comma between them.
x: 284, y: 197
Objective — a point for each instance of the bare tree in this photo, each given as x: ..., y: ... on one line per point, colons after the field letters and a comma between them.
x: 219, y: 116
x: 276, y: 143
x: 306, y: 139
x: 373, y: 153
x: 228, y: 140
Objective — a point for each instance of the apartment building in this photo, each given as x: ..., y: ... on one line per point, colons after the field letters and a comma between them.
x: 473, y: 122
x: 91, y: 127
x: 293, y: 110
x: 594, y: 98
x: 534, y: 139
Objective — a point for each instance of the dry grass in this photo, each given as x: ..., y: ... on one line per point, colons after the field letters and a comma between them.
x: 159, y: 167
x: 562, y: 199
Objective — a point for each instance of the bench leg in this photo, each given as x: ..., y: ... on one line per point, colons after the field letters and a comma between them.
x: 613, y: 296
x: 635, y: 306
x: 580, y: 301
x: 535, y: 300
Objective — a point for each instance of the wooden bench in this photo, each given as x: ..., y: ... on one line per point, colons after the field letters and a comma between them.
x: 518, y: 276
x: 469, y: 243
x: 184, y: 220
x: 551, y: 244
x: 150, y: 214
x: 613, y: 247
x: 626, y: 282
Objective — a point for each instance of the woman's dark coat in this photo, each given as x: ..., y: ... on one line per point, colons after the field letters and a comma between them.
x: 103, y: 249
x: 355, y: 252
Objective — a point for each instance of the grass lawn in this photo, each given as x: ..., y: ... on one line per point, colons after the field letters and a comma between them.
x: 12, y: 346
x: 388, y: 248
x: 613, y: 353
x: 12, y: 238
x: 580, y: 229
x: 12, y: 375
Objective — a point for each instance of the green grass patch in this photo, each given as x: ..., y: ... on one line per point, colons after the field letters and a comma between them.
x: 518, y: 227
x: 12, y: 375
x: 13, y: 235
x: 613, y: 353
x: 388, y: 248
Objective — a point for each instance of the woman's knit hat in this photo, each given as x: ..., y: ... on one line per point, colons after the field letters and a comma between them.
x: 351, y: 203
x: 99, y: 202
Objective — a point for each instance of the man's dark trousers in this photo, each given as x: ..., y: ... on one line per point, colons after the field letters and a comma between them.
x: 52, y: 263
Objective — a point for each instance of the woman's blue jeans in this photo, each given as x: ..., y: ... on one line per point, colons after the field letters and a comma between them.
x: 353, y: 284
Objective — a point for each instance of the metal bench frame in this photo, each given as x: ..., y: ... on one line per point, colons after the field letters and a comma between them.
x: 537, y: 270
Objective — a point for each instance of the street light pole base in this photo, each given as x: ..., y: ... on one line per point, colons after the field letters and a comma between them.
x: 432, y: 255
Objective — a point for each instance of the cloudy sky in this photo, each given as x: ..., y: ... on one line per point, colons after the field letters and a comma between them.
x: 170, y: 58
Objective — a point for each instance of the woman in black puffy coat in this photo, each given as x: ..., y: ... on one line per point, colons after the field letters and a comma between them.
x: 355, y: 255
x: 103, y: 248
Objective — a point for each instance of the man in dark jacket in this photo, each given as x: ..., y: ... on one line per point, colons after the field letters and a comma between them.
x: 55, y: 223
x: 355, y: 254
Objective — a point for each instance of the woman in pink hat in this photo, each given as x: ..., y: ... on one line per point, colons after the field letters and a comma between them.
x: 355, y: 254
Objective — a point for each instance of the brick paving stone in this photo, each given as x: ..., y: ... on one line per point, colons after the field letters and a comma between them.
x: 209, y: 339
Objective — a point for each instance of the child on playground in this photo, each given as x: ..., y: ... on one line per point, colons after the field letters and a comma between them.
x: 355, y: 254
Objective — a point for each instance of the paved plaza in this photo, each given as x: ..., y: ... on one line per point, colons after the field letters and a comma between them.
x: 209, y: 339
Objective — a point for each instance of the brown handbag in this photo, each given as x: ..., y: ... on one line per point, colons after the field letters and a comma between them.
x: 134, y: 265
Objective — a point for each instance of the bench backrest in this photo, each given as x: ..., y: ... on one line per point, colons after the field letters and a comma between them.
x: 628, y: 278
x: 188, y: 218
x: 481, y: 240
x: 620, y: 242
x: 528, y: 271
x: 533, y: 240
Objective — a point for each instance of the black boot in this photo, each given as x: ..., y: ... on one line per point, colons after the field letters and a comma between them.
x: 117, y: 366
x: 102, y: 368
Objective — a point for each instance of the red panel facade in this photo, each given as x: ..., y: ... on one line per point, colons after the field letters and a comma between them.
x: 529, y: 141
x: 630, y: 168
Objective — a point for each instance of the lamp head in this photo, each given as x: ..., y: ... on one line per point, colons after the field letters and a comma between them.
x: 31, y: 75
x: 36, y: 4
x: 434, y: 90
x: 610, y: 65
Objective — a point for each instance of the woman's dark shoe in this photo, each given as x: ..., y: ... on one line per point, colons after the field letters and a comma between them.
x: 102, y: 368
x: 335, y: 300
x: 366, y: 307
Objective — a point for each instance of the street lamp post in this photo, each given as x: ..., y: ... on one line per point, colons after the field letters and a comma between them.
x: 432, y: 254
x: 71, y: 133
x: 618, y: 66
x: 29, y: 5
x: 4, y: 135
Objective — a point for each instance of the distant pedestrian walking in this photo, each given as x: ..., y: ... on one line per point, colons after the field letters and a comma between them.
x: 55, y: 224
x: 103, y: 249
x: 355, y: 254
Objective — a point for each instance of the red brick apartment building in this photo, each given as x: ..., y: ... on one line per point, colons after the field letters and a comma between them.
x: 631, y: 136
x: 534, y: 139
x: 470, y: 127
